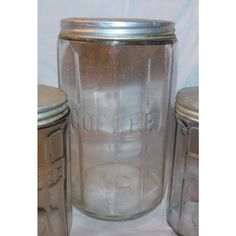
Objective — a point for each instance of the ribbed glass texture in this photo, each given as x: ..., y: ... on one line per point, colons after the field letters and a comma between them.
x: 54, y: 192
x: 183, y: 195
x: 119, y: 93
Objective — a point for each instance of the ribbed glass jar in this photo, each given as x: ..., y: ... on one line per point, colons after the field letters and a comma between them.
x: 118, y: 76
x: 54, y: 188
x: 183, y: 193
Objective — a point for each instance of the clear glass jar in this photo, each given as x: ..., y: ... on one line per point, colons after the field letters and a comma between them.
x: 54, y: 188
x: 183, y: 193
x: 118, y: 76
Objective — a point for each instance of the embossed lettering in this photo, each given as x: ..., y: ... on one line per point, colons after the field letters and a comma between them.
x: 150, y: 121
x: 135, y: 123
x: 87, y: 122
x: 99, y: 123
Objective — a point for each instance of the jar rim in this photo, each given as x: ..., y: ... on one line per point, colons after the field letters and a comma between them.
x: 52, y: 104
x: 187, y: 103
x: 117, y: 29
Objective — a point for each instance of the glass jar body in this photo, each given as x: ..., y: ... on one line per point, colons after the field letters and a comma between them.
x: 183, y: 193
x: 54, y: 188
x: 119, y: 94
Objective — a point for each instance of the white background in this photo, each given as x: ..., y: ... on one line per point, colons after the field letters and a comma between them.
x: 18, y: 139
x: 183, y: 12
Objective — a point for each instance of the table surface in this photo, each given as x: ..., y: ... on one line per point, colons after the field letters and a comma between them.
x: 152, y: 224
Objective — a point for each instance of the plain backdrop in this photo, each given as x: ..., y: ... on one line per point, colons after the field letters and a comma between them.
x: 183, y: 12
x: 18, y: 73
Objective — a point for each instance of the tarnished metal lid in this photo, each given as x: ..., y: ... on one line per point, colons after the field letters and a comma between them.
x: 117, y: 29
x: 187, y: 103
x: 52, y: 104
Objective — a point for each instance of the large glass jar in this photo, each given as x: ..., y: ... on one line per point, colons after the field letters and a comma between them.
x: 118, y: 76
x: 54, y: 192
x: 183, y: 193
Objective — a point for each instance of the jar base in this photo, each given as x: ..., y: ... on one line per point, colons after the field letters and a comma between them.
x: 118, y: 218
x: 187, y: 224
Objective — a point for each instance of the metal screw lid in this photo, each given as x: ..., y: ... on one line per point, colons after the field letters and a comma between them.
x: 116, y: 29
x: 52, y: 104
x: 187, y: 103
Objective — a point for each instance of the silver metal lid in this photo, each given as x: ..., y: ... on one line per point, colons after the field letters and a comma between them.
x: 52, y: 104
x: 116, y: 29
x: 187, y: 103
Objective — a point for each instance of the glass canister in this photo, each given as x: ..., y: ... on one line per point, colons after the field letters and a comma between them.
x: 118, y: 76
x: 54, y: 189
x: 183, y: 193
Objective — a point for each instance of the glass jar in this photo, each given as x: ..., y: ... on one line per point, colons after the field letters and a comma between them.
x: 118, y: 75
x: 54, y: 191
x: 183, y: 193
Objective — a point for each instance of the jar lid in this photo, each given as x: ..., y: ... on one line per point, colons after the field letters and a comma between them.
x: 117, y: 29
x: 187, y: 103
x: 52, y: 104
